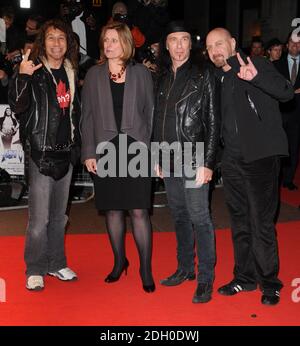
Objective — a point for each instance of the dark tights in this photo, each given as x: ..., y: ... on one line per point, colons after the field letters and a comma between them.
x: 141, y: 227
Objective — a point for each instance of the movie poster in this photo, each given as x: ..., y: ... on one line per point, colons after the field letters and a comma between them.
x: 11, y: 151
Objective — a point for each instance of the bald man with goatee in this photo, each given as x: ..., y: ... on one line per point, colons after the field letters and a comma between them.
x: 254, y: 141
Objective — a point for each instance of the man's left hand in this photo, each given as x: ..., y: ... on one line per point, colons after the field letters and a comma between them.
x: 247, y: 71
x: 203, y: 176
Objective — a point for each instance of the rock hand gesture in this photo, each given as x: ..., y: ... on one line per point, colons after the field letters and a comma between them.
x: 247, y: 71
x: 28, y: 66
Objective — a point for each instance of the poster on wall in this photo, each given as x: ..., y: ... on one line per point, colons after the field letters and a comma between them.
x: 11, y: 151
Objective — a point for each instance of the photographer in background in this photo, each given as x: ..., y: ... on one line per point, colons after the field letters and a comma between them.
x: 148, y: 57
x: 151, y: 16
x: 84, y: 24
x: 5, y: 73
x: 120, y: 14
x: 13, y: 34
x: 32, y: 26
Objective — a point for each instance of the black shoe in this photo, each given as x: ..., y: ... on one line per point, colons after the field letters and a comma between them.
x: 203, y: 293
x: 290, y: 186
x: 149, y: 288
x: 235, y: 287
x: 113, y: 278
x: 177, y: 278
x: 270, y: 297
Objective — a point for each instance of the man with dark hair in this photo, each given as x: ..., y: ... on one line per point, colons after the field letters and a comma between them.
x: 43, y: 95
x: 274, y: 49
x: 33, y: 24
x: 253, y: 142
x: 186, y: 114
x: 256, y: 47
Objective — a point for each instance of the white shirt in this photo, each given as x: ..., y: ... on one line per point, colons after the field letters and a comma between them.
x: 2, y: 30
x: 79, y: 27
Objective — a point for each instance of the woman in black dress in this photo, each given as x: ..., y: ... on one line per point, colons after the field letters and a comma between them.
x: 117, y: 102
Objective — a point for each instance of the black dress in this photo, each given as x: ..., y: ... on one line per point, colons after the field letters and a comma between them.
x: 121, y: 193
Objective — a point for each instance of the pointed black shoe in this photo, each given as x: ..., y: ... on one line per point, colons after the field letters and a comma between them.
x: 270, y: 297
x: 203, y: 293
x: 177, y: 278
x: 149, y: 288
x: 111, y: 278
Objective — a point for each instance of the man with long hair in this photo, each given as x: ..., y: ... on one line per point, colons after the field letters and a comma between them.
x: 42, y: 94
x: 186, y: 112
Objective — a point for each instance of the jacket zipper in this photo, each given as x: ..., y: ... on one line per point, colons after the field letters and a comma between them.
x: 186, y: 96
x: 46, y: 127
x: 177, y: 130
x: 166, y: 104
x: 252, y: 105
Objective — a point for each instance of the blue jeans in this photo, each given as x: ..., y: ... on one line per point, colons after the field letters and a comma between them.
x: 48, y: 198
x: 193, y: 224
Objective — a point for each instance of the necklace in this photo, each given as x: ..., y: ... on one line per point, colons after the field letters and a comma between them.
x: 116, y: 76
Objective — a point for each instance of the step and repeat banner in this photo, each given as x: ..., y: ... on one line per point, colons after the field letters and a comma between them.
x: 11, y: 151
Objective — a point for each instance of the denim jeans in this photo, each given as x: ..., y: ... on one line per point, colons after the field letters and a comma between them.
x: 48, y: 198
x: 193, y: 224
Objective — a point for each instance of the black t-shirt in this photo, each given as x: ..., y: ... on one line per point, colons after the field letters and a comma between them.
x: 64, y: 99
x: 117, y: 90
x: 173, y: 85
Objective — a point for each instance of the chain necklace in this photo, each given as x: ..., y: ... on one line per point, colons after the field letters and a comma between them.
x: 116, y: 76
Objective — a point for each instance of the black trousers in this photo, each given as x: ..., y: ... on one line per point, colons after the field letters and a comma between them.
x: 251, y: 194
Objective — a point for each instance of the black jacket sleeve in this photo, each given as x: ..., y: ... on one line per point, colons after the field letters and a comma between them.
x: 19, y: 93
x: 212, y: 119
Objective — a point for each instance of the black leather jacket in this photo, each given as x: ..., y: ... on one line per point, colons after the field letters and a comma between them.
x: 34, y: 100
x: 197, y: 112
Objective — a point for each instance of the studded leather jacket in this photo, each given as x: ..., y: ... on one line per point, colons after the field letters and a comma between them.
x: 196, y: 108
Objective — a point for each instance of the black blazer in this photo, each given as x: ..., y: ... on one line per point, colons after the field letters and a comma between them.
x: 289, y: 109
x: 283, y: 67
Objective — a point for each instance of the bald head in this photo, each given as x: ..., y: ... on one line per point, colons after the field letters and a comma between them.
x: 221, y: 32
x: 120, y: 8
x: 220, y: 46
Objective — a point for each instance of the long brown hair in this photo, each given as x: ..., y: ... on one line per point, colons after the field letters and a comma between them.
x: 126, y: 40
x: 39, y: 50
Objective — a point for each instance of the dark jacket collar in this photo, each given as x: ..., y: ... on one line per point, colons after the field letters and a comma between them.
x: 233, y: 60
x: 183, y: 68
x: 233, y: 63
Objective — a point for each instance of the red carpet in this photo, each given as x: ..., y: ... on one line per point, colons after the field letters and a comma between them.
x: 90, y: 301
x: 292, y: 197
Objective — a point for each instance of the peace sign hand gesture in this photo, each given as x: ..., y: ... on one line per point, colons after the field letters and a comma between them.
x: 27, y: 66
x: 247, y: 71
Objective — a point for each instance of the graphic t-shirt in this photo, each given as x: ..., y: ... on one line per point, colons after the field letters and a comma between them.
x: 64, y: 99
